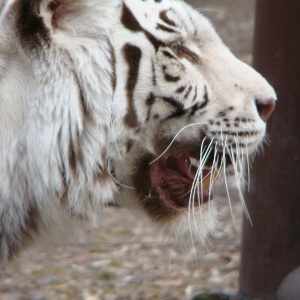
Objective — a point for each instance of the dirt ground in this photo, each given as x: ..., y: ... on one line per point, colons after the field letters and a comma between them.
x: 126, y: 259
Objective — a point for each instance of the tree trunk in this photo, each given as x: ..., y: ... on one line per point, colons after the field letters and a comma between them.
x: 271, y: 247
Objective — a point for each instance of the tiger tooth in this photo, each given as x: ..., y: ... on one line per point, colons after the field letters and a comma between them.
x: 194, y: 162
x: 205, y: 185
x: 208, y: 180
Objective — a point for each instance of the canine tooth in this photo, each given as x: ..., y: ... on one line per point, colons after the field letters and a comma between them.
x: 194, y: 162
x: 206, y: 183
x: 210, y: 178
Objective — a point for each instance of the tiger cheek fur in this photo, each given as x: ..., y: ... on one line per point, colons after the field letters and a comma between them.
x: 128, y: 102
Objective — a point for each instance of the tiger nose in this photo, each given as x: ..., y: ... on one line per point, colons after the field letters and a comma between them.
x: 265, y: 108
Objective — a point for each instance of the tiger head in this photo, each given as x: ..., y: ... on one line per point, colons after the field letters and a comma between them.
x: 190, y: 110
x: 130, y: 102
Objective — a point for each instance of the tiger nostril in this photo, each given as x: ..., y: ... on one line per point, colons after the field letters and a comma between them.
x: 265, y: 108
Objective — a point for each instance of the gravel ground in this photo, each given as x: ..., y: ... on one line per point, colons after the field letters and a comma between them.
x: 126, y: 259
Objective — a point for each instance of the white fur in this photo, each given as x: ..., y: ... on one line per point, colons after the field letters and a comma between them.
x: 41, y: 113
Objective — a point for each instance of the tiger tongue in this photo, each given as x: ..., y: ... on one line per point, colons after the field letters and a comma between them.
x: 182, y: 166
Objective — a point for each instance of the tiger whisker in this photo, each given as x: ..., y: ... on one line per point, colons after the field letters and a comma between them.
x: 224, y: 147
x: 199, y: 178
x: 240, y: 193
x: 212, y: 179
x: 248, y: 165
x: 173, y: 140
x: 195, y: 188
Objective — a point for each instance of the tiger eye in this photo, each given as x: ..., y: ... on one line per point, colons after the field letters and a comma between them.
x: 176, y: 48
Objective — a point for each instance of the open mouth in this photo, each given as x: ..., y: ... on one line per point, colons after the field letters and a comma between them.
x: 179, y: 180
x: 181, y: 183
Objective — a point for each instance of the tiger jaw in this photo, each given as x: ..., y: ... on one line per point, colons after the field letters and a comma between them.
x: 171, y: 185
x: 179, y: 182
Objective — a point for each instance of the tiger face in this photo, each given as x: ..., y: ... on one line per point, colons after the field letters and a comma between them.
x: 193, y: 109
x: 119, y: 102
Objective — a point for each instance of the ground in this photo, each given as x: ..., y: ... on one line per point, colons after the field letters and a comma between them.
x: 126, y: 259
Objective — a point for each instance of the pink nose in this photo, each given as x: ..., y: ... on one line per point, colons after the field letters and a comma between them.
x: 265, y: 108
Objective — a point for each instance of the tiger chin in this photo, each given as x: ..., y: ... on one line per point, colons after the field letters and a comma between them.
x: 130, y: 103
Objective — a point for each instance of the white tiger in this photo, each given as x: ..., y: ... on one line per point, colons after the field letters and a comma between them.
x: 118, y: 102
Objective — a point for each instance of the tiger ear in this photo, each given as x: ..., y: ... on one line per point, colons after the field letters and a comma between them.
x: 26, y: 24
x: 31, y: 22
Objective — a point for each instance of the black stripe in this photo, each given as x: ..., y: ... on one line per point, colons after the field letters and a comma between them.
x: 198, y: 106
x: 163, y: 16
x: 188, y: 92
x: 193, y: 109
x: 129, y: 145
x: 154, y: 41
x: 133, y: 56
x: 129, y: 20
x: 180, y: 89
x: 82, y: 100
x: 174, y: 102
x: 177, y: 114
x: 169, y: 77
x: 153, y: 74
x: 72, y: 157
x: 30, y: 27
x: 131, y: 23
x: 196, y: 94
x: 150, y: 101
x: 165, y: 28
x: 168, y: 54
x: 192, y: 22
x: 206, y: 100
x: 113, y: 75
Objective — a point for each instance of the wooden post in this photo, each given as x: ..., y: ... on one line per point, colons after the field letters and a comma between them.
x: 271, y: 247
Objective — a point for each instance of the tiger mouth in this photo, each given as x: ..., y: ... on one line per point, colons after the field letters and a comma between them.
x: 172, y: 184
x: 179, y: 182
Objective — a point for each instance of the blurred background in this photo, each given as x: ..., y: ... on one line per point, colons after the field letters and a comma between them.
x: 126, y: 259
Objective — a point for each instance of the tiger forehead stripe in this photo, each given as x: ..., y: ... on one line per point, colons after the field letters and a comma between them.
x: 169, y: 25
x: 166, y: 28
x: 192, y: 23
x: 131, y: 23
x: 164, y: 17
x: 129, y: 20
